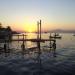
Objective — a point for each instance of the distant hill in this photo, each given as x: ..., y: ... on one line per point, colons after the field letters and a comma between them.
x: 52, y: 31
x: 15, y: 32
x: 62, y: 31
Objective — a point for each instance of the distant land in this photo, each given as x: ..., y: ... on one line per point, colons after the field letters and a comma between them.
x: 15, y: 32
x: 53, y: 31
x: 62, y: 31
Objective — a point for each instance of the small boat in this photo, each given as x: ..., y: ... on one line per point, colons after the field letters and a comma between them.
x: 73, y: 34
x: 58, y: 37
x: 56, y: 34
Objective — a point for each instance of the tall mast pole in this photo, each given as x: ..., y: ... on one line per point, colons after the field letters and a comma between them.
x: 37, y: 30
x: 40, y: 29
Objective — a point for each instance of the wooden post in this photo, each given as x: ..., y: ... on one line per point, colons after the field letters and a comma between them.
x: 23, y: 46
x: 18, y: 38
x: 39, y: 40
x: 23, y: 39
x: 37, y: 30
x: 40, y: 29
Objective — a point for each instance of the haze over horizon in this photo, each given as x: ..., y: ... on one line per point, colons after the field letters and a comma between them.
x: 22, y: 15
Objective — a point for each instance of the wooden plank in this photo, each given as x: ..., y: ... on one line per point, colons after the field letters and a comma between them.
x: 33, y: 40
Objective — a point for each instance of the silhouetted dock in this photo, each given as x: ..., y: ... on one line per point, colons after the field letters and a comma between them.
x: 33, y: 40
x: 38, y: 40
x: 45, y: 63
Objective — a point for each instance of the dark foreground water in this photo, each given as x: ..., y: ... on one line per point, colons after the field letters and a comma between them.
x: 64, y: 64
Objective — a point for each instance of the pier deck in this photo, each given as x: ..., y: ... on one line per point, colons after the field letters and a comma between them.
x: 33, y: 40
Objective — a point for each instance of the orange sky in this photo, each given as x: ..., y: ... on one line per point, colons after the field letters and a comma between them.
x: 22, y: 15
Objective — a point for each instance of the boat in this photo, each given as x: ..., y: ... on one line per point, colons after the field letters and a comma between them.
x: 73, y: 34
x: 58, y: 37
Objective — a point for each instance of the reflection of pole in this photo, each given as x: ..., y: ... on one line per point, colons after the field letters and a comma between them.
x: 8, y: 42
x: 50, y: 41
x: 18, y: 41
x: 18, y: 38
x: 54, y: 48
x: 23, y: 39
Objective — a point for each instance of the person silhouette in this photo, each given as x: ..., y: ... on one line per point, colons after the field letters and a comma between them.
x: 54, y: 48
x: 5, y: 48
x: 23, y: 48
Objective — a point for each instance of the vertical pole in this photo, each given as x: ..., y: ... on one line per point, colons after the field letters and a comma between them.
x: 39, y: 51
x: 39, y: 36
x: 37, y: 30
x: 23, y: 46
x: 55, y: 35
x: 40, y: 29
x: 23, y: 39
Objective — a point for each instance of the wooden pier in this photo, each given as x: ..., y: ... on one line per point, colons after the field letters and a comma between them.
x: 58, y: 67
x: 33, y: 40
x: 38, y: 40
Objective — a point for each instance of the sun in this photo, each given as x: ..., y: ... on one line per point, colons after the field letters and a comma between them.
x: 30, y: 25
x: 30, y: 28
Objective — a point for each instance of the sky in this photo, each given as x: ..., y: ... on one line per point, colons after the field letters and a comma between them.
x: 22, y: 15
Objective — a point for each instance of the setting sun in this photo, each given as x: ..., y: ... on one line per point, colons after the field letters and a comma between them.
x: 30, y: 26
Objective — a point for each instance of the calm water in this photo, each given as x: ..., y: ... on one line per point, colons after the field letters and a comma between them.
x: 67, y: 41
x: 65, y: 56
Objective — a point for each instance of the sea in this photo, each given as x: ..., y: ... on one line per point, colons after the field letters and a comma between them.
x: 17, y: 64
x: 66, y: 42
